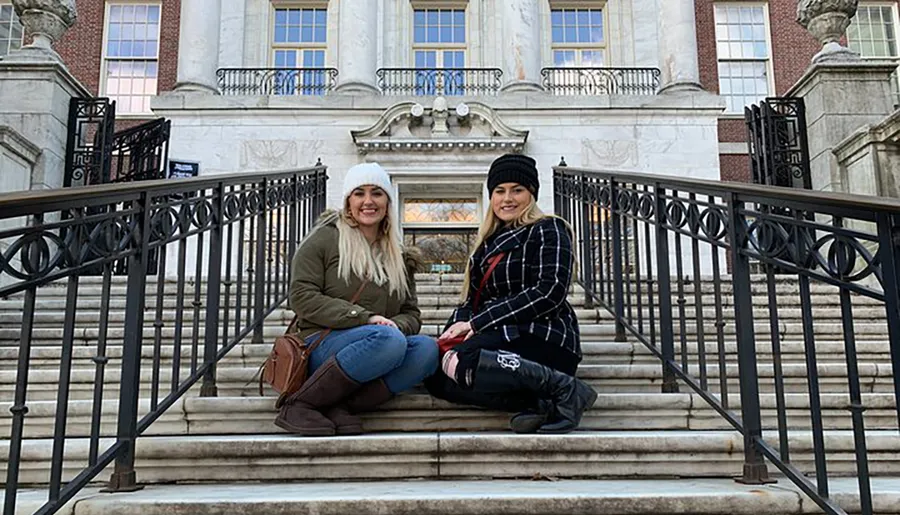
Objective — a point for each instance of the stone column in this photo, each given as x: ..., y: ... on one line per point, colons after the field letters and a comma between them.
x: 521, y: 45
x: 198, y: 46
x: 679, y: 61
x: 358, y: 52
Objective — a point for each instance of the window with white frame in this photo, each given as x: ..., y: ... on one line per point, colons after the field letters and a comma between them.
x: 578, y: 38
x: 872, y: 32
x: 742, y: 46
x: 299, y: 44
x: 439, y: 42
x: 11, y: 32
x: 131, y: 56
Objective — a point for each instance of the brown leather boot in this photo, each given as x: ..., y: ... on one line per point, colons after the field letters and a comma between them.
x: 366, y: 398
x: 301, y: 411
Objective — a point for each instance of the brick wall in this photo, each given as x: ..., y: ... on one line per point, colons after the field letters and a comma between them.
x: 82, y: 46
x: 792, y: 49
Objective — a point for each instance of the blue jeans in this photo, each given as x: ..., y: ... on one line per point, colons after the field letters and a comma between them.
x: 371, y: 351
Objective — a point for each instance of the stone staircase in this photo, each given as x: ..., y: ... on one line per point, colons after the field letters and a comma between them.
x: 638, y: 451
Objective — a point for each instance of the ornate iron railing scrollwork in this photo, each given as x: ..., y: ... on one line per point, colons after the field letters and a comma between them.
x: 222, y: 247
x: 439, y: 81
x: 91, y: 128
x: 672, y: 260
x: 601, y: 81
x: 276, y: 81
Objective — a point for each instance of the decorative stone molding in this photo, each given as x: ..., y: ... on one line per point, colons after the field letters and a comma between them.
x: 45, y: 21
x: 827, y: 21
x: 409, y: 126
x: 14, y: 142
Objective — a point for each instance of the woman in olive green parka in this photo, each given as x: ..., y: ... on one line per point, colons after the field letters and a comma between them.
x: 373, y: 351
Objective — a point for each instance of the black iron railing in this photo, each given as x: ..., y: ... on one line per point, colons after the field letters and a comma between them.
x: 223, y: 245
x: 439, y: 81
x: 276, y: 81
x: 140, y: 153
x: 601, y: 81
x: 671, y: 259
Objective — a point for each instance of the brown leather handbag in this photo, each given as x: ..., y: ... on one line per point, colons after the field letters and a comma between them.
x: 287, y: 366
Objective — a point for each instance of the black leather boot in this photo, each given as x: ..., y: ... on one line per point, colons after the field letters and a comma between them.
x: 505, y: 371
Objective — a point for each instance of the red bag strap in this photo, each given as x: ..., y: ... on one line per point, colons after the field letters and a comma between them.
x: 494, y: 261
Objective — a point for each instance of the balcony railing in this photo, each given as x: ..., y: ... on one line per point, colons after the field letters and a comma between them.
x: 443, y: 81
x: 276, y: 81
x: 601, y: 81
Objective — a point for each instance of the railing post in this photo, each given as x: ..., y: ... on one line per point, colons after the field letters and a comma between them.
x: 259, y: 280
x: 586, y: 229
x: 618, y: 279
x: 213, y: 291
x: 755, y: 471
x: 123, y: 477
x: 889, y: 254
x: 664, y: 289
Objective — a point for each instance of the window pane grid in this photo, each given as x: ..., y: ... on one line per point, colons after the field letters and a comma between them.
x: 577, y: 25
x: 10, y: 30
x: 743, y: 55
x: 132, y: 50
x: 444, y: 26
x: 301, y: 25
x: 872, y: 33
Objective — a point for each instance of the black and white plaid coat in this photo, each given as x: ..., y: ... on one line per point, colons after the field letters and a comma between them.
x: 527, y: 291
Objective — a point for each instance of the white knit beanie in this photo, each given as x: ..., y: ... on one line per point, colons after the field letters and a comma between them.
x: 368, y: 174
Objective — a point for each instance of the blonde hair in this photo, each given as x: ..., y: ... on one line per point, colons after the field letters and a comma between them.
x: 381, y: 262
x: 491, y: 223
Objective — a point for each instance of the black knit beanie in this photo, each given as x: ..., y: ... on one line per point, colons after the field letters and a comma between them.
x: 514, y: 168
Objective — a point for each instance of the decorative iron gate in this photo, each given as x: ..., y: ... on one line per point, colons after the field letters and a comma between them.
x: 96, y: 154
x: 91, y: 129
x: 779, y: 152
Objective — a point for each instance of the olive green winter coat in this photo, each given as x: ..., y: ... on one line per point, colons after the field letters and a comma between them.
x: 321, y: 299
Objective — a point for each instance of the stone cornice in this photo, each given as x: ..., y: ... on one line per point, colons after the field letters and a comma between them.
x: 19, y: 145
x: 409, y: 126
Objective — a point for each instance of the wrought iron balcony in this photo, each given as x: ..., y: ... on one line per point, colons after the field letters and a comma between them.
x: 439, y: 81
x: 276, y: 81
x: 601, y: 81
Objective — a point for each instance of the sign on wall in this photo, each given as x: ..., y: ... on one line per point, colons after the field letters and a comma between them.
x: 179, y: 169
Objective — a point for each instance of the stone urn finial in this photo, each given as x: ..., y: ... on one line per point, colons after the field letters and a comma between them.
x: 827, y: 21
x: 45, y: 21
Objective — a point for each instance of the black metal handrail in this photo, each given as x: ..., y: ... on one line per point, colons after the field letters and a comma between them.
x: 601, y: 81
x: 140, y: 153
x: 233, y: 233
x: 439, y: 81
x: 276, y: 81
x: 671, y: 259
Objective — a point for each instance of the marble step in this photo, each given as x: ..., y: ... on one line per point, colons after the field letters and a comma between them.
x: 416, y: 412
x: 451, y: 455
x: 610, y: 378
x: 538, y: 496
x: 45, y: 316
x: 596, y: 351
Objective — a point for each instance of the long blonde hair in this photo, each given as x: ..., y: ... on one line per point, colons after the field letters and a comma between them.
x: 491, y: 223
x: 380, y: 262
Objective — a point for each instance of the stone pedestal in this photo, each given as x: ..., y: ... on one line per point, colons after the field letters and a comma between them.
x: 678, y: 57
x: 358, y: 52
x: 522, y: 46
x: 840, y: 99
x: 34, y: 105
x: 198, y: 46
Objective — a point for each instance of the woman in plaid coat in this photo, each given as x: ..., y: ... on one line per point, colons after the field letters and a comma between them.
x: 521, y: 347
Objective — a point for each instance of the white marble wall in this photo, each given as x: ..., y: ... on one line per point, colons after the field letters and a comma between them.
x: 631, y: 32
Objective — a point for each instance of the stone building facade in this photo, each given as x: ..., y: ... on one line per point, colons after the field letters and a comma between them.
x: 436, y: 89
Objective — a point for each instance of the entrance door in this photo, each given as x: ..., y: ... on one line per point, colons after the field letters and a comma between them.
x: 443, y: 228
